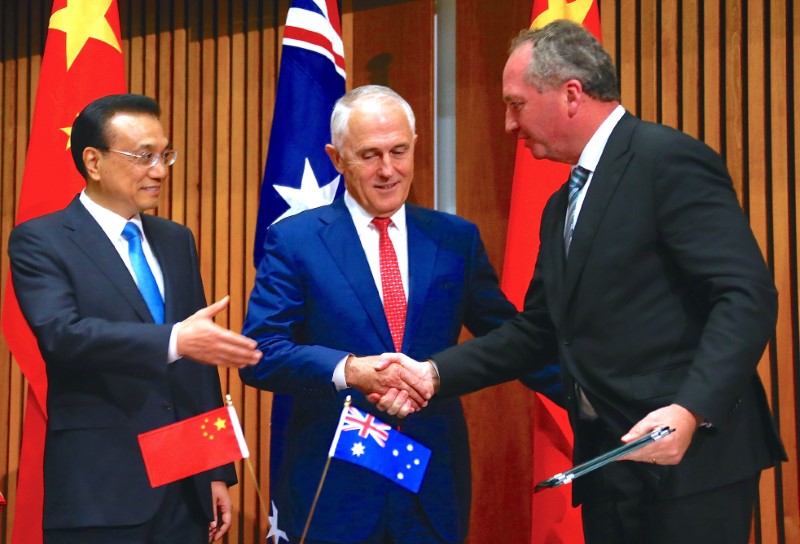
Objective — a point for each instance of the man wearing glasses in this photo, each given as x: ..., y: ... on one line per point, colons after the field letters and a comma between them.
x: 116, y: 302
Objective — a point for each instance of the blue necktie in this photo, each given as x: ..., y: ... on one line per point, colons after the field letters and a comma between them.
x: 144, y: 276
x: 577, y: 179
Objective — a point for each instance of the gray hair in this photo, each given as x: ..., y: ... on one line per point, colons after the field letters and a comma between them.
x: 375, y: 94
x: 563, y: 50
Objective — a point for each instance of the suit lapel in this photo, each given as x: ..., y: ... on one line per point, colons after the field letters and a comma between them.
x: 340, y: 238
x: 87, y: 235
x: 613, y: 162
x: 422, y: 248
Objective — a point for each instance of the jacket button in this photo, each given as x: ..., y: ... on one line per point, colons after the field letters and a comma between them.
x: 166, y: 405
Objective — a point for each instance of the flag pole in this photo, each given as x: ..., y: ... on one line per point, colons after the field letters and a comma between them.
x: 347, y: 402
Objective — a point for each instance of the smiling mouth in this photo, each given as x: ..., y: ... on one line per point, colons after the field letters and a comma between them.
x: 386, y: 186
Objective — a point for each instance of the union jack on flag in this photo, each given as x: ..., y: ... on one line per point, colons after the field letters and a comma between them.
x: 366, y: 425
x: 395, y: 456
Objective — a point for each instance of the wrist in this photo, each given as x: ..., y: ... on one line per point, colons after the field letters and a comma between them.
x: 435, y: 380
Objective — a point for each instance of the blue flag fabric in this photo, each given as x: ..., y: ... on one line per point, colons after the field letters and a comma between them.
x: 364, y: 440
x: 299, y: 174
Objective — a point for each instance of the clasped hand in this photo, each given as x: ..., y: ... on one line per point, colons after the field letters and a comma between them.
x: 396, y: 383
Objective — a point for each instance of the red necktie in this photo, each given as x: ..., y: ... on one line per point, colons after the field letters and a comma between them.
x: 394, y: 298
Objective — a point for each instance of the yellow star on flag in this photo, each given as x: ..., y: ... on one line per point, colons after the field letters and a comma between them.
x: 220, y: 424
x: 561, y: 9
x: 81, y: 20
x: 68, y: 132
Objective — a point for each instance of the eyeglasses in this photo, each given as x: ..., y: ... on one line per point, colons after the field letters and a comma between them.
x: 148, y: 159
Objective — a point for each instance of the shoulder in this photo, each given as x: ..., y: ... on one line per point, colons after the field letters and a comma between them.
x: 159, y: 226
x: 45, y: 225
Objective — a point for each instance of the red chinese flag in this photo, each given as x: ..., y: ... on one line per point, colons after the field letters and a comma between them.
x: 192, y: 446
x: 554, y: 520
x: 82, y: 61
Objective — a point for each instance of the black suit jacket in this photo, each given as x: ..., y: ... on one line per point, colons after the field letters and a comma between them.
x: 108, y: 377
x: 664, y: 298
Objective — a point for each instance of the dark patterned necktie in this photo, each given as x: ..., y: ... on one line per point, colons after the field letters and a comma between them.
x: 577, y: 179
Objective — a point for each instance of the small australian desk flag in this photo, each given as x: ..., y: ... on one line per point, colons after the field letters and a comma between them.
x: 363, y: 440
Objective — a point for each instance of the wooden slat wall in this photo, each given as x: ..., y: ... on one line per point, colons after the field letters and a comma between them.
x: 725, y: 71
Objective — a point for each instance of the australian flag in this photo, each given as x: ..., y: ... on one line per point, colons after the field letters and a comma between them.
x: 364, y: 440
x: 299, y: 175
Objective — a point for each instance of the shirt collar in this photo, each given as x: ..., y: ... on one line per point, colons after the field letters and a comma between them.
x: 111, y: 223
x: 594, y: 148
x: 363, y: 220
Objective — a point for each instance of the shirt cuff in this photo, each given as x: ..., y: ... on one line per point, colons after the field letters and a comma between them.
x: 172, y: 352
x: 338, y: 374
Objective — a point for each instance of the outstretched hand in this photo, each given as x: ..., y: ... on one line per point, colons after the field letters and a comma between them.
x: 206, y: 342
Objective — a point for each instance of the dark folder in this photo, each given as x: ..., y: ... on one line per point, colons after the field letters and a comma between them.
x: 602, y: 460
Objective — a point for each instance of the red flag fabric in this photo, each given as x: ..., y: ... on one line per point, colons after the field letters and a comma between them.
x: 554, y: 520
x: 192, y: 446
x: 82, y: 61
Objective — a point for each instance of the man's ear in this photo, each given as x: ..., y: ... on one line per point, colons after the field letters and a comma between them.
x: 336, y: 158
x: 91, y: 160
x: 574, y: 95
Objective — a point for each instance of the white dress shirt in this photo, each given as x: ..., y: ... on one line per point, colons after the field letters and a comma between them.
x: 370, y: 238
x: 112, y: 224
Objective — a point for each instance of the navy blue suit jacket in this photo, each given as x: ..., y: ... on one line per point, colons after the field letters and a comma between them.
x: 107, y: 371
x: 315, y: 302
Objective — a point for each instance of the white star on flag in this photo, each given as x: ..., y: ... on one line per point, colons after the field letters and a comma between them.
x: 358, y: 449
x: 274, y: 531
x: 310, y: 195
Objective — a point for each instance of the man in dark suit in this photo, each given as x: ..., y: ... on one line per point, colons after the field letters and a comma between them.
x: 651, y: 291
x: 119, y: 362
x: 321, y: 305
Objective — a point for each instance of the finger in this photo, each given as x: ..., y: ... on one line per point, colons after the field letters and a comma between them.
x: 213, y: 309
x: 387, y: 400
x: 407, y: 409
x: 374, y: 398
x: 387, y: 359
x: 400, y: 400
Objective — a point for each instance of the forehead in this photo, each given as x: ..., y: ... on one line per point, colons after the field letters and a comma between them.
x: 514, y: 83
x: 370, y: 123
x: 138, y: 128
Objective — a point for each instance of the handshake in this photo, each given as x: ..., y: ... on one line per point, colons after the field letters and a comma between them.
x: 396, y: 383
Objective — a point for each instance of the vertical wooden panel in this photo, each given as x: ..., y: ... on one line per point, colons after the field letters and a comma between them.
x: 648, y: 40
x: 669, y: 63
x: 734, y: 94
x: 711, y: 82
x: 690, y: 68
x: 626, y: 63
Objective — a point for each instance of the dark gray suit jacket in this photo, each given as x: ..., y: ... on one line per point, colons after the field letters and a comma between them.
x: 664, y: 298
x: 108, y: 378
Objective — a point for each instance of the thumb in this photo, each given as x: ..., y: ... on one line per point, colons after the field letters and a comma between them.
x: 386, y: 360
x: 212, y: 310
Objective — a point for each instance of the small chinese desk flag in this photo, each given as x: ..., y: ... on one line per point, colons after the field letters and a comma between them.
x: 366, y: 441
x: 194, y: 445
